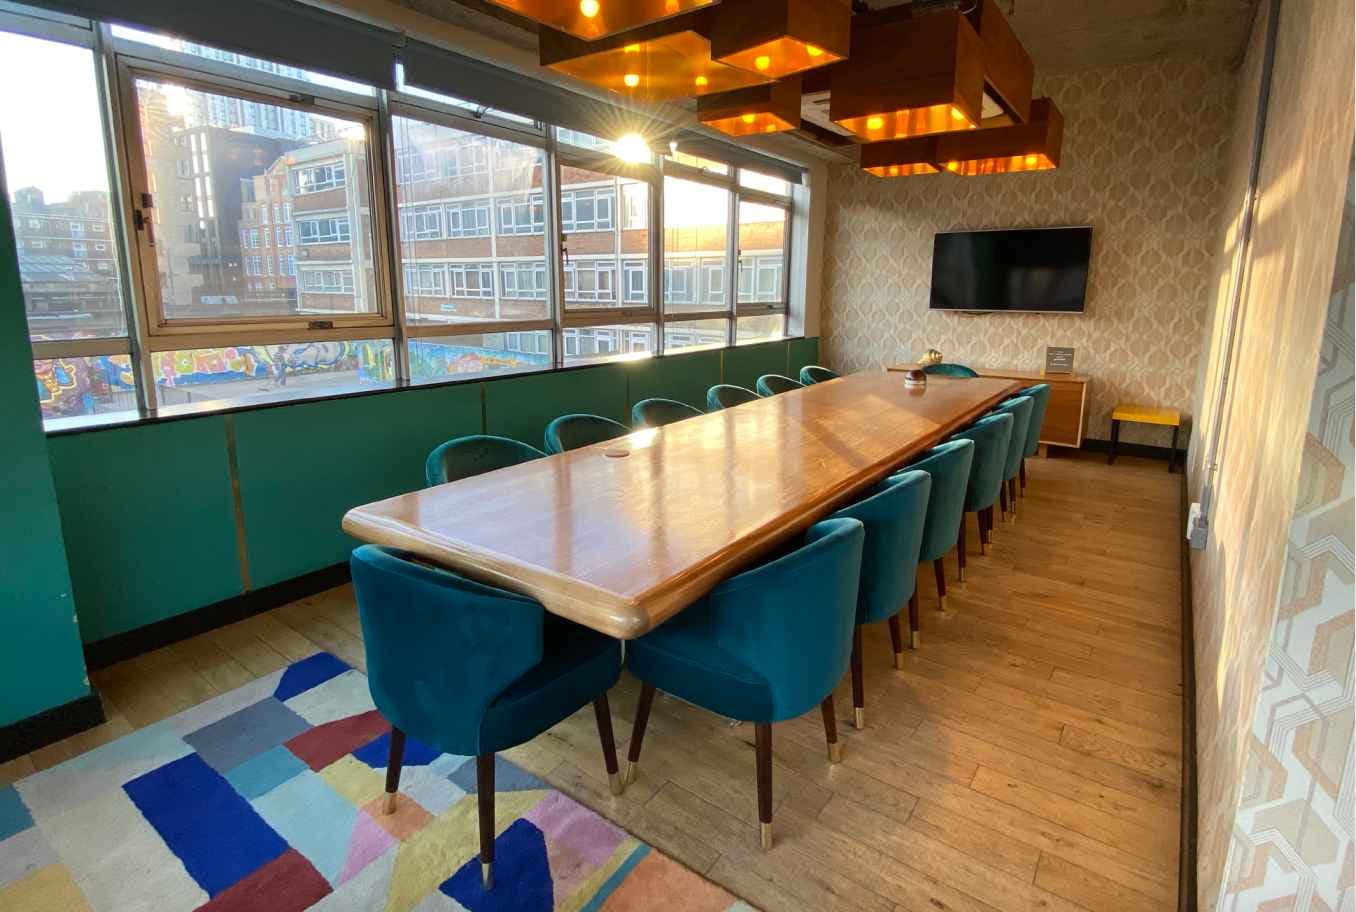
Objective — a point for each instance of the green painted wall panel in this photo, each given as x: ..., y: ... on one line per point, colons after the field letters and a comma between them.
x: 801, y: 352
x: 149, y: 522
x: 521, y: 407
x: 746, y: 363
x: 41, y: 665
x: 303, y: 466
x: 682, y: 377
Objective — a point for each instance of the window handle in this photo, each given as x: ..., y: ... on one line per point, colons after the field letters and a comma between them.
x: 565, y: 252
x: 142, y: 221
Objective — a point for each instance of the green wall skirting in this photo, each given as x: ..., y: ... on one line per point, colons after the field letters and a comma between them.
x: 152, y: 529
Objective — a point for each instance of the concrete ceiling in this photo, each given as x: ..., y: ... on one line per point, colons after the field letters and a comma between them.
x: 1066, y: 35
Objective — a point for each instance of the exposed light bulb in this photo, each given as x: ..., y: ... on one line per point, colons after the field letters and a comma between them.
x: 632, y: 80
x: 748, y: 118
x: 770, y: 128
x: 588, y: 8
x: 1031, y: 161
x: 814, y: 51
x: 701, y: 82
x: 957, y: 113
x: 762, y: 62
x: 631, y: 49
x: 875, y: 123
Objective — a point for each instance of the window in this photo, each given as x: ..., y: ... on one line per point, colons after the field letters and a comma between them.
x: 316, y: 178
x: 586, y: 210
x: 244, y: 373
x: 463, y: 225
x: 332, y: 230
x: 636, y: 274
x: 590, y: 281
x: 58, y: 175
x: 522, y: 215
x: 597, y: 256
x: 426, y: 279
x: 761, y: 329
x: 277, y: 212
x: 635, y: 205
x: 289, y: 236
x: 762, y: 239
x: 442, y: 357
x: 79, y: 250
x: 247, y: 161
x: 755, y: 180
x: 696, y: 235
x: 289, y: 267
x: 326, y: 281
x: 608, y: 343
x: 694, y: 334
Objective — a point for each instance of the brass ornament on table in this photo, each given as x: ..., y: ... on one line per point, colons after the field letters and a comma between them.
x: 930, y: 357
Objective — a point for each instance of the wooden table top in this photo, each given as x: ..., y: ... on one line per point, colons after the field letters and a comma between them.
x: 1036, y: 376
x: 620, y: 543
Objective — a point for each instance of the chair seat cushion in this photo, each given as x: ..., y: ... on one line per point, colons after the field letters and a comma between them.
x: 577, y: 665
x: 682, y: 658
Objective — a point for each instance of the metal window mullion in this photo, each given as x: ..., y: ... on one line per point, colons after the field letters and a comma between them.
x: 656, y: 266
x: 555, y: 267
x: 35, y: 26
x: 440, y: 330
x: 44, y: 349
x: 732, y: 267
x: 385, y: 128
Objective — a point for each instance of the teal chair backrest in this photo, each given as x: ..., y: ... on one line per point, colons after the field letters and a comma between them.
x: 463, y: 457
x: 649, y: 413
x: 813, y: 373
x: 790, y: 620
x: 949, y: 370
x: 1020, y: 408
x: 725, y: 395
x: 440, y: 647
x: 948, y: 464
x: 570, y: 432
x: 991, y: 435
x: 1040, y: 394
x: 772, y: 384
x: 893, y: 513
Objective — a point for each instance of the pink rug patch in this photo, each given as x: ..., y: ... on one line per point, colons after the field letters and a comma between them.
x: 368, y: 843
x: 588, y: 836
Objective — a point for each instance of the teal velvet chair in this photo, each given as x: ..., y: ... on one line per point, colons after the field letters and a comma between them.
x: 650, y: 413
x: 813, y: 373
x: 1040, y: 394
x: 773, y: 384
x: 570, y: 432
x: 991, y: 435
x: 892, y: 514
x: 949, y: 370
x: 472, y: 670
x: 766, y: 645
x: 726, y: 395
x: 948, y: 464
x: 463, y: 457
x: 1020, y: 408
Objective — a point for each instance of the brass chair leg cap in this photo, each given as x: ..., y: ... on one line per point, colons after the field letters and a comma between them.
x: 390, y: 806
x: 899, y: 660
x: 836, y: 752
x: 941, y: 603
x: 630, y: 775
x: 961, y: 575
x: 616, y: 783
x: 487, y: 875
x: 859, y: 717
x: 765, y: 835
x: 915, y: 638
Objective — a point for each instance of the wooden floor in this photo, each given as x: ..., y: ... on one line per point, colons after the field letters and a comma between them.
x: 1026, y: 757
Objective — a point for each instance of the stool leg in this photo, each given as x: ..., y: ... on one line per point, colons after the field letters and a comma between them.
x: 858, y: 683
x: 915, y: 629
x: 897, y: 638
x: 939, y: 571
x: 1172, y: 454
x: 831, y: 730
x: 1115, y: 439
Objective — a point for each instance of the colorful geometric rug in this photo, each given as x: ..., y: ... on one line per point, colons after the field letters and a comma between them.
x: 269, y: 798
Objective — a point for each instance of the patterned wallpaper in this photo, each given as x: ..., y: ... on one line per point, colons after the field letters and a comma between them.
x: 1143, y: 152
x: 1292, y: 842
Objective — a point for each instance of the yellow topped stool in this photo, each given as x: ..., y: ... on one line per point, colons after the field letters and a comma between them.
x: 1144, y: 415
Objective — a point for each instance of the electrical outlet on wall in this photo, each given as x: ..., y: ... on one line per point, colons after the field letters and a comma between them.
x: 1197, y: 528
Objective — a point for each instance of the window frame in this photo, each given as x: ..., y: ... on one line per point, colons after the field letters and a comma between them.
x: 135, y: 61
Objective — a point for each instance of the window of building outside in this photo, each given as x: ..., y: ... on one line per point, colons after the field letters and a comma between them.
x: 268, y: 220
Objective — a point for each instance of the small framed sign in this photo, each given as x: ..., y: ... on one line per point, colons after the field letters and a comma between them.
x: 1058, y: 359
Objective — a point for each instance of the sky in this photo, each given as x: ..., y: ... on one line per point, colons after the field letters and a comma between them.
x: 49, y: 129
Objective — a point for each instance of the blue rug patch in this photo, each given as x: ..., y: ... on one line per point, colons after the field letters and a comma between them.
x: 522, y: 875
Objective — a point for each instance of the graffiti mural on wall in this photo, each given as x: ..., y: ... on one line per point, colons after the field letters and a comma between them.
x: 369, y: 360
x: 80, y: 386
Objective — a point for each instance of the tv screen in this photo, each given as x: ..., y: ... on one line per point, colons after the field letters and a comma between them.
x: 1024, y: 269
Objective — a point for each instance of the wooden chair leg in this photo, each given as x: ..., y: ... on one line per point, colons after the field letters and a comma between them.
x: 1012, y: 498
x: 485, y: 801
x: 939, y: 571
x: 394, y: 758
x: 960, y: 552
x: 985, y: 517
x: 1021, y: 475
x: 762, y: 732
x: 915, y: 629
x: 858, y: 683
x: 896, y: 639
x: 1003, y: 498
x: 602, y: 713
x: 638, y: 731
x: 831, y: 730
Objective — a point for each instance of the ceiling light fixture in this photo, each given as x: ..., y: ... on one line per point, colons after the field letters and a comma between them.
x: 592, y: 19
x: 665, y: 61
x: 1036, y: 145
x: 780, y: 37
x: 771, y: 108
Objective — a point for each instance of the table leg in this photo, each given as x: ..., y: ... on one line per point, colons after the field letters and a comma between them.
x: 1115, y: 439
x: 1172, y: 454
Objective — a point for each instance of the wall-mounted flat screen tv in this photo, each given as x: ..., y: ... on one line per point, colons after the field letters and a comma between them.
x: 1021, y: 269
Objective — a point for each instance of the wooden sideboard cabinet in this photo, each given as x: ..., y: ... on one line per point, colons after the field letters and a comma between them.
x: 1065, y: 416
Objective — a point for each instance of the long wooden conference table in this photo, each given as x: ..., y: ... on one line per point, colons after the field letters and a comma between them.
x: 622, y: 535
